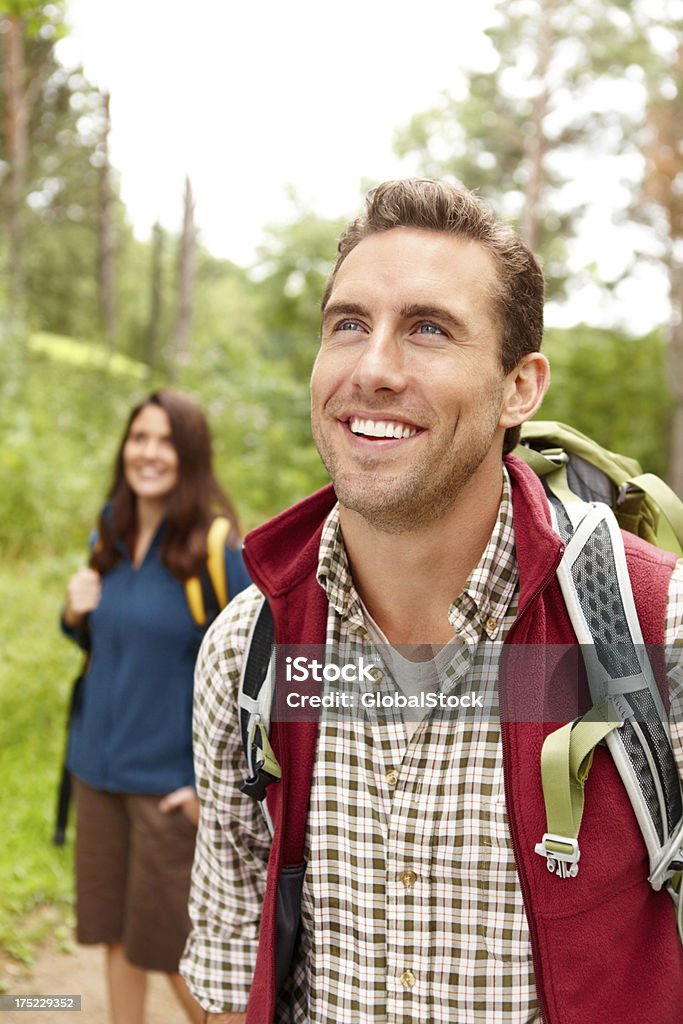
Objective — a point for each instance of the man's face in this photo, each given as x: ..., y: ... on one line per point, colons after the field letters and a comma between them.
x: 407, y: 388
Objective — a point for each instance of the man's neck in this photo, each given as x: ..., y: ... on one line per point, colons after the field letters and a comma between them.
x: 408, y: 581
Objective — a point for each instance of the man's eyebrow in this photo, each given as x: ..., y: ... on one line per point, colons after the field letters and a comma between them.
x: 345, y: 309
x: 440, y: 313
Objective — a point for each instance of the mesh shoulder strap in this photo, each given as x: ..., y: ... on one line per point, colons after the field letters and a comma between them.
x: 596, y: 587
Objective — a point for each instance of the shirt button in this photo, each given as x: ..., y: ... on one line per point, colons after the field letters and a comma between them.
x: 391, y: 775
x: 491, y: 625
x: 408, y: 979
x: 408, y: 878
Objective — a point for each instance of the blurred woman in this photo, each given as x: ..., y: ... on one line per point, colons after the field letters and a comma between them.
x: 130, y: 747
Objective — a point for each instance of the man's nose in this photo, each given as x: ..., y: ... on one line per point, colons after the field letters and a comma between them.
x: 380, y: 364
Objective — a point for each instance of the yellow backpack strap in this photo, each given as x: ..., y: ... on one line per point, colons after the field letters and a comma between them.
x: 195, y: 600
x: 215, y: 563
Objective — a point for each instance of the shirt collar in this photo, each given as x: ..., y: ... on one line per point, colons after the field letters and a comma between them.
x: 334, y: 575
x: 485, y: 597
x: 487, y: 593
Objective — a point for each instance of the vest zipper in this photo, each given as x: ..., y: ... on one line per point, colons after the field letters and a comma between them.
x: 540, y: 994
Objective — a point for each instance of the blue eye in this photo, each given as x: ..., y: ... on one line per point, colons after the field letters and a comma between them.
x: 429, y: 329
x: 347, y: 325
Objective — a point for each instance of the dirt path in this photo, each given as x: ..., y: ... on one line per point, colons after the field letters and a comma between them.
x: 79, y: 973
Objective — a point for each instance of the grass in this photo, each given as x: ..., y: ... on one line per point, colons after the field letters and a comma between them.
x: 36, y: 669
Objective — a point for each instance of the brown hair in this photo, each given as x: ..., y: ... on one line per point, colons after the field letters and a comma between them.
x: 444, y: 206
x: 191, y: 505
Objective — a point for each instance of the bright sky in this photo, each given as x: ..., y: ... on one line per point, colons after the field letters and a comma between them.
x: 250, y: 97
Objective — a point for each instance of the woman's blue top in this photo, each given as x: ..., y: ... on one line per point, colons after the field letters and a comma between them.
x: 132, y: 732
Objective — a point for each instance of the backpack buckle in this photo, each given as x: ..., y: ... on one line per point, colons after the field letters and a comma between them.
x: 562, y: 854
x: 262, y: 760
x: 556, y: 455
x: 256, y: 786
x: 627, y: 490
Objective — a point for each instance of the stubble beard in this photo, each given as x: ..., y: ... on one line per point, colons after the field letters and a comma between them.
x: 421, y: 495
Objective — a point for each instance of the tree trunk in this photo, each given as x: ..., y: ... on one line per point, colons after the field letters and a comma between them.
x: 106, y: 231
x: 186, y: 279
x: 17, y: 151
x: 536, y: 144
x: 675, y: 361
x: 156, y: 303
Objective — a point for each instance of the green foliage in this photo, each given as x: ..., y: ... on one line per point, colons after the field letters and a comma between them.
x: 60, y: 186
x: 42, y: 20
x: 517, y: 130
x: 293, y: 266
x: 56, y: 442
x: 36, y: 669
x: 294, y: 263
x: 612, y: 388
x: 258, y: 406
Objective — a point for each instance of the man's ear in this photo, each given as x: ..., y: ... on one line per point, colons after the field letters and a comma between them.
x: 524, y: 389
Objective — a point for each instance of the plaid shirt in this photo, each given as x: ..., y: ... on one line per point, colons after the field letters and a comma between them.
x: 411, y: 907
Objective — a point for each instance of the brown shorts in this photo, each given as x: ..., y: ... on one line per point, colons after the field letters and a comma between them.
x: 133, y: 876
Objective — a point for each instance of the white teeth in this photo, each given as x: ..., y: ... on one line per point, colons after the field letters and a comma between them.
x: 381, y: 428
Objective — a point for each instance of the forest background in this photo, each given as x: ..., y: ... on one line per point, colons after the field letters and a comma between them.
x: 92, y: 317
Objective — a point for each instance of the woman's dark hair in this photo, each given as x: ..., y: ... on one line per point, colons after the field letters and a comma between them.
x: 192, y: 504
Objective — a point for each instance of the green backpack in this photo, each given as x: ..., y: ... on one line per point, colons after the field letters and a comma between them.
x: 571, y: 462
x: 627, y: 715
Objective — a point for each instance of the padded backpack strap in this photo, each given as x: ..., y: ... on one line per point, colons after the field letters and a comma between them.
x: 208, y: 594
x: 597, y: 591
x: 255, y: 702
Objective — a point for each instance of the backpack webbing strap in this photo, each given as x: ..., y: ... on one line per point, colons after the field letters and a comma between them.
x: 208, y: 594
x: 675, y: 888
x: 595, y: 584
x: 64, y: 788
x: 670, y: 518
x: 255, y: 701
x: 566, y: 761
x: 642, y: 502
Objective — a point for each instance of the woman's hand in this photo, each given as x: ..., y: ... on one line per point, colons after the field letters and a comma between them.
x: 186, y: 799
x: 83, y: 593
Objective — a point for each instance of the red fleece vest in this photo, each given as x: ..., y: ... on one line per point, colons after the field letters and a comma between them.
x: 605, y: 945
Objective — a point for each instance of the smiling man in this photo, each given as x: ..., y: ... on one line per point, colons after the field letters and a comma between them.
x: 400, y: 861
